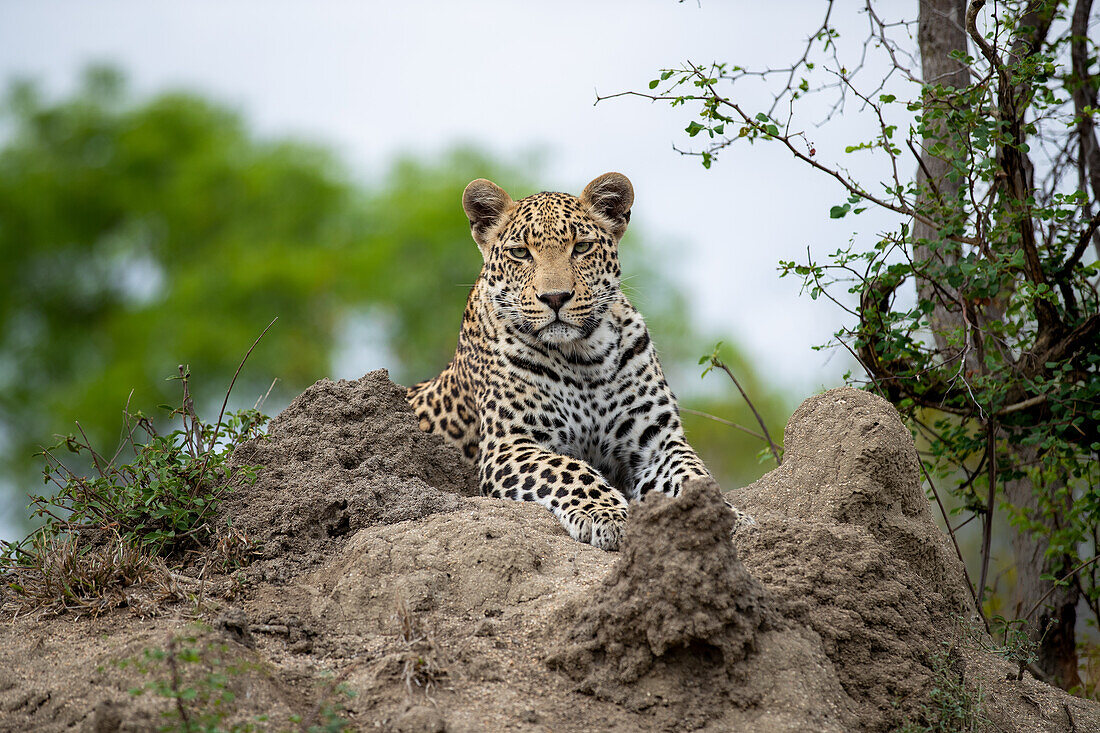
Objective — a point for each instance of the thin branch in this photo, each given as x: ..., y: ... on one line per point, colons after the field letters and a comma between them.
x: 987, y: 527
x: 128, y: 428
x: 972, y: 29
x: 260, y: 402
x: 824, y: 28
x: 927, y: 173
x: 963, y: 523
x: 756, y: 125
x: 191, y: 432
x: 1031, y: 402
x: 95, y: 454
x: 221, y: 414
x: 1057, y: 583
x: 724, y: 421
x: 1082, y: 244
x: 955, y: 543
x: 715, y: 361
x: 885, y: 43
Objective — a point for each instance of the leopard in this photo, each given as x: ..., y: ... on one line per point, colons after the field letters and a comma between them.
x: 555, y: 393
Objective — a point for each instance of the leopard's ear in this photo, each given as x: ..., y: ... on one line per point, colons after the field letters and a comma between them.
x: 608, y: 199
x: 484, y: 203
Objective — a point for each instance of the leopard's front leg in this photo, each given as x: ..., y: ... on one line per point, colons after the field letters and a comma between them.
x: 671, y: 466
x: 656, y: 450
x: 590, y: 509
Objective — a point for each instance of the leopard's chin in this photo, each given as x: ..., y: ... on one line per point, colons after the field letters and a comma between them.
x: 559, y: 332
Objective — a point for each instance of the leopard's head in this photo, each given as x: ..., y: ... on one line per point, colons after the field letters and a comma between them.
x: 551, y: 259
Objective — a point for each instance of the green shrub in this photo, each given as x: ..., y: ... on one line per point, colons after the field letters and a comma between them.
x: 114, y: 527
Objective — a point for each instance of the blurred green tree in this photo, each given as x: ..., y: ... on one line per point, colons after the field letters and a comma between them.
x: 135, y: 236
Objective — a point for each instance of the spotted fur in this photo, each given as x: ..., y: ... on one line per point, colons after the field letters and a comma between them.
x: 555, y: 392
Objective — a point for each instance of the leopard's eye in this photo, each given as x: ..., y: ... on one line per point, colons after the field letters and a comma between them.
x: 520, y: 253
x: 581, y: 247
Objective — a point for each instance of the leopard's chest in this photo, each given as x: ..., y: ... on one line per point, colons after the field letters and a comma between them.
x: 569, y: 407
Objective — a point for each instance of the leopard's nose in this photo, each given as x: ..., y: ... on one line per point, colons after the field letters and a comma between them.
x: 555, y: 300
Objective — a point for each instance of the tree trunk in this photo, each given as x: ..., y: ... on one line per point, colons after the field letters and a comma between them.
x: 1057, y: 614
x: 940, y: 31
x: 1084, y: 96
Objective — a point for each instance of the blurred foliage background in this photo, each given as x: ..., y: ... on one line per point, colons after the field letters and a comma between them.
x: 140, y: 234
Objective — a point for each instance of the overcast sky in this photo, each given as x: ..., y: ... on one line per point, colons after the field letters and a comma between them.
x: 373, y: 79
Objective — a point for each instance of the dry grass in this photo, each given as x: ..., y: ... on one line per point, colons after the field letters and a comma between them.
x: 66, y: 573
x: 422, y: 668
x: 230, y: 549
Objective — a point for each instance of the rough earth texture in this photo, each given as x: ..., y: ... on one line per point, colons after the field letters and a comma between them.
x: 375, y: 574
x: 675, y: 615
x: 342, y: 456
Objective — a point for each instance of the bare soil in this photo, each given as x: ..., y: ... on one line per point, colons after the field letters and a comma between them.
x: 381, y: 592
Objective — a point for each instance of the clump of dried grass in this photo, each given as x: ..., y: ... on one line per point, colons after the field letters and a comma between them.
x: 62, y: 573
x: 421, y: 666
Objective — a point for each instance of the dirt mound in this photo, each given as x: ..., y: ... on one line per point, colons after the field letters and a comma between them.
x: 847, y: 547
x: 384, y: 598
x: 850, y: 462
x: 674, y: 616
x: 342, y: 456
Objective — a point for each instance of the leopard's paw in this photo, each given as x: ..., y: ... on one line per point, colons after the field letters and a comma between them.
x: 599, y: 526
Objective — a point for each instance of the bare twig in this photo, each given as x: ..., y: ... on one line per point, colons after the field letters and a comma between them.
x: 878, y: 31
x: 1058, y: 582
x: 963, y: 523
x: 987, y: 528
x: 724, y: 421
x: 1023, y: 405
x: 752, y: 123
x: 128, y: 428
x: 221, y: 414
x: 1082, y: 244
x: 260, y: 402
x: 928, y: 174
x: 191, y: 431
x: 955, y: 543
x: 716, y: 362
x: 93, y: 451
x: 972, y: 29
